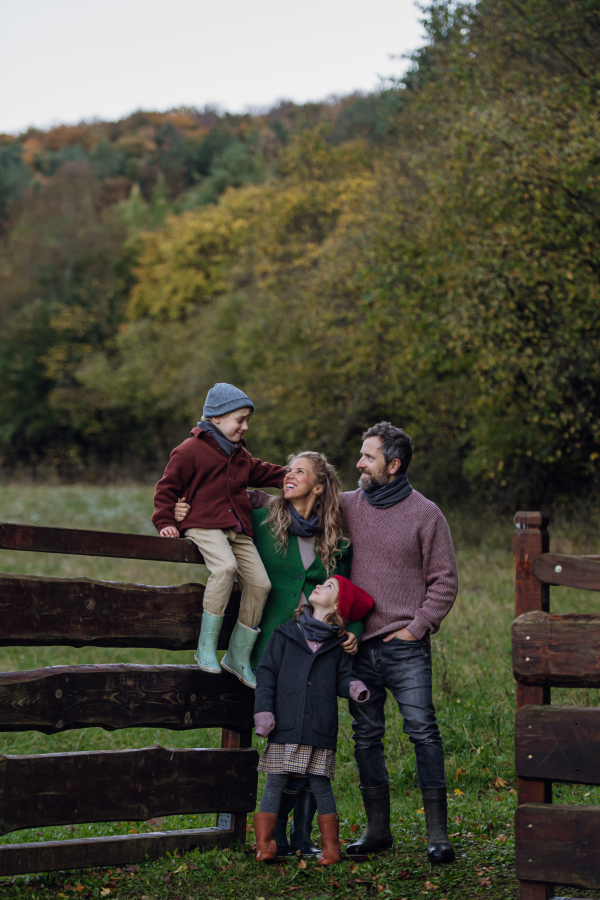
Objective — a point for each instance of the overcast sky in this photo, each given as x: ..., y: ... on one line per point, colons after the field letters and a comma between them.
x: 67, y: 60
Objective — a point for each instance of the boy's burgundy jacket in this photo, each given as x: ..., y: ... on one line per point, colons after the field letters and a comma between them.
x: 213, y: 483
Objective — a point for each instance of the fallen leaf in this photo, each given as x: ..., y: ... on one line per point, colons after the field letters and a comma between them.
x: 354, y: 867
x: 191, y: 865
x: 484, y: 882
x: 458, y: 792
x: 133, y: 831
x: 458, y: 819
x: 499, y: 782
x: 167, y: 878
x: 79, y: 887
x: 71, y: 827
x: 104, y: 892
x: 484, y: 771
x: 132, y: 869
x: 249, y: 828
x: 501, y: 838
x: 380, y: 888
x: 421, y: 812
x: 460, y: 772
x: 157, y: 821
x: 354, y: 828
x: 431, y: 887
x: 302, y: 863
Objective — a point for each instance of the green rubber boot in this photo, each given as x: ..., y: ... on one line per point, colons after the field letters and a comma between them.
x: 206, y: 655
x: 237, y: 658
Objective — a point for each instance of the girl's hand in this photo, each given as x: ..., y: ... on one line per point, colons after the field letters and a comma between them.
x: 182, y: 509
x: 169, y: 531
x: 350, y: 645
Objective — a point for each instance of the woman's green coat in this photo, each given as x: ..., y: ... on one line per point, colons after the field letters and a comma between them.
x: 288, y: 578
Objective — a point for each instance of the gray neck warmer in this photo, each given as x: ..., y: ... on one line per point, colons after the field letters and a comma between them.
x: 315, y: 630
x: 390, y: 494
x: 303, y: 527
x: 226, y: 445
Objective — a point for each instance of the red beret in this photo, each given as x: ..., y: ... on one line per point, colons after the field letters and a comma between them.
x: 353, y: 602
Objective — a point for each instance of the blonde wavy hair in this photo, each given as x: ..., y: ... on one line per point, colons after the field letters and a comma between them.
x: 331, y: 536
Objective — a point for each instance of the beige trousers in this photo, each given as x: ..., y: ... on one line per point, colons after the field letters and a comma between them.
x: 228, y: 555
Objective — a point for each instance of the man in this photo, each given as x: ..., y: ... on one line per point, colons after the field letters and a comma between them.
x: 403, y: 556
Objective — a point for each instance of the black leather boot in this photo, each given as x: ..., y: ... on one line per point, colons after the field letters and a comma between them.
x: 304, y: 813
x: 285, y: 807
x: 435, y: 804
x: 377, y: 835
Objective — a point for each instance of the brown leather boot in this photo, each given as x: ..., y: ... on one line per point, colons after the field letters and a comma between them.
x: 264, y: 829
x: 329, y: 826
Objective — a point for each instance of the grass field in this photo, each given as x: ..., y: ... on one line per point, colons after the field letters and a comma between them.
x: 474, y: 696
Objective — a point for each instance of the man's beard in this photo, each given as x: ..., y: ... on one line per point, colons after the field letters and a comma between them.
x: 372, y: 482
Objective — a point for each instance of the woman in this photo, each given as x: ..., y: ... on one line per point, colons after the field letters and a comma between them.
x: 300, y: 536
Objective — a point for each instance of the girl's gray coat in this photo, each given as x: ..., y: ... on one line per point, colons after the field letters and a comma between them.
x: 301, y: 688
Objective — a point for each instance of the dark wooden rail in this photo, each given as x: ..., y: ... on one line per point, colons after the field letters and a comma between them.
x: 128, y: 784
x: 97, y: 543
x: 69, y: 788
x: 558, y: 743
x: 79, y: 612
x: 554, y: 844
x: 568, y: 571
x: 558, y: 844
x: 557, y: 651
x: 123, y: 696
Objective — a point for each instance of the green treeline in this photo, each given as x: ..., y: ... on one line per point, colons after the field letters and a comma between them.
x: 429, y: 254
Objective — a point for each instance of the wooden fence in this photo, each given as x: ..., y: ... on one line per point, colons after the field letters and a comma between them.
x: 70, y: 788
x: 555, y: 844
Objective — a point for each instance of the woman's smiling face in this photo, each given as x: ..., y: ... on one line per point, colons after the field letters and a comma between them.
x: 300, y: 480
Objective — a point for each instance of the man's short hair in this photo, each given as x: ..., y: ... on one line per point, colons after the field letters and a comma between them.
x: 395, y: 443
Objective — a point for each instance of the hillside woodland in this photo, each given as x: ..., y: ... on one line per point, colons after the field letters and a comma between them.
x: 427, y: 254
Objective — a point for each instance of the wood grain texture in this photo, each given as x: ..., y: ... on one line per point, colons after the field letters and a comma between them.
x: 49, y: 856
x: 79, y: 612
x: 131, y: 785
x: 558, y: 743
x: 558, y: 844
x: 59, y: 698
x: 557, y: 651
x: 573, y: 571
x: 97, y: 543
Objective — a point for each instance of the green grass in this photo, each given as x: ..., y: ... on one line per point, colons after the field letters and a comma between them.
x: 474, y: 696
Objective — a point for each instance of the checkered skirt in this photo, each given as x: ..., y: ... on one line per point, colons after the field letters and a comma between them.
x: 297, y: 759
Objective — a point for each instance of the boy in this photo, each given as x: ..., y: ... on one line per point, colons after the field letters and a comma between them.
x: 213, y: 469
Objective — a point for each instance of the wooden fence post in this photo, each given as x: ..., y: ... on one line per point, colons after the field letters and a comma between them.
x: 531, y: 539
x: 235, y: 822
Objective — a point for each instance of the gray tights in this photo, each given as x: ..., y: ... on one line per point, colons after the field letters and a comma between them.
x: 320, y: 785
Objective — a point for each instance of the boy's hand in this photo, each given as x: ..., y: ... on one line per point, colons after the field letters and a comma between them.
x: 182, y: 509
x: 350, y: 645
x: 169, y: 531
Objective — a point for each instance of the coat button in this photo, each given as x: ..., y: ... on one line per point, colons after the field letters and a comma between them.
x: 299, y: 576
x: 308, y: 683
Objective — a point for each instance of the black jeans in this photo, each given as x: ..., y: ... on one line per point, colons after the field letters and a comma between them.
x: 405, y: 668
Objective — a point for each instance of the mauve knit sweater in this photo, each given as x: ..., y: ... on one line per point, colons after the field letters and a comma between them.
x: 403, y: 557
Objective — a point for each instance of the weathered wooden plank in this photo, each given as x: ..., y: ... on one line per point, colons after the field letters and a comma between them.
x: 531, y: 538
x: 558, y: 743
x: 97, y: 543
x: 558, y: 844
x: 79, y: 612
x: 569, y: 571
x: 49, y: 856
x: 557, y: 651
x: 123, y: 696
x: 104, y: 786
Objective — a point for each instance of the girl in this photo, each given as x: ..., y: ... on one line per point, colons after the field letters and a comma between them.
x: 302, y: 672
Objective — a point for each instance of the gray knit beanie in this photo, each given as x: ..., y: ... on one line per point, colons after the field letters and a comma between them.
x: 224, y: 398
